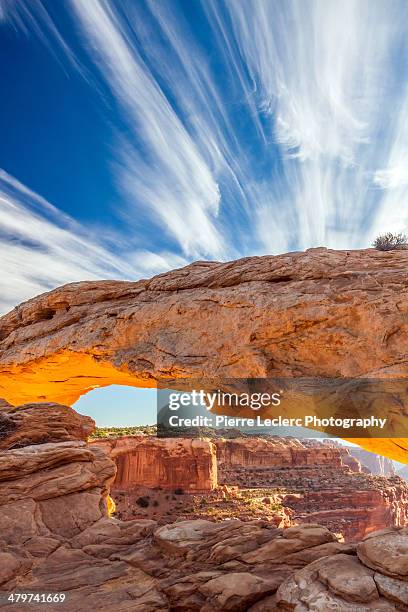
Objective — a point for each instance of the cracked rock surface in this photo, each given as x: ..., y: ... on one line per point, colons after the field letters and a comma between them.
x: 56, y: 536
x: 319, y: 313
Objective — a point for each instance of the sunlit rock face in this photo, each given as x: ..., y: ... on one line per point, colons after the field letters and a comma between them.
x: 322, y: 485
x: 188, y: 464
x: 56, y: 536
x: 273, y: 452
x: 316, y: 313
x: 40, y: 423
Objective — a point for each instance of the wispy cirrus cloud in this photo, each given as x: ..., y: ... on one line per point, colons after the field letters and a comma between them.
x: 283, y: 127
x: 169, y: 175
x: 313, y: 80
x: 41, y: 248
x: 323, y: 76
x: 32, y: 18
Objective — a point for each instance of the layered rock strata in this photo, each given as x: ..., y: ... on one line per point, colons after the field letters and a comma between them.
x: 351, y: 504
x: 253, y: 452
x: 56, y: 536
x: 317, y: 483
x: 321, y: 313
x: 311, y: 477
x: 41, y: 423
x: 187, y: 464
x: 192, y: 565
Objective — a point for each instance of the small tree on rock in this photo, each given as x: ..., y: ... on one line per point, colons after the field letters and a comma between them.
x: 391, y: 242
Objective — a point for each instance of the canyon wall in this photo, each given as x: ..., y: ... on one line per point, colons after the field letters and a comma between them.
x: 353, y: 505
x: 56, y: 537
x: 314, y: 479
x: 370, y: 463
x: 272, y: 452
x: 173, y: 463
x: 383, y: 466
x: 319, y: 313
x: 320, y: 482
x: 403, y: 473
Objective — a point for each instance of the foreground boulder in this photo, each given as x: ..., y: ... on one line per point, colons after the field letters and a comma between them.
x: 41, y: 423
x: 52, y: 489
x: 375, y: 579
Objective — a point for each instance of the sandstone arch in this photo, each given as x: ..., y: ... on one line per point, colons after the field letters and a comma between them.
x: 319, y: 312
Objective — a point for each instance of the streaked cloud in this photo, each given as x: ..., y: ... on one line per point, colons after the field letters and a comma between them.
x: 170, y: 175
x: 32, y: 19
x: 283, y: 128
x: 323, y: 75
x: 41, y: 248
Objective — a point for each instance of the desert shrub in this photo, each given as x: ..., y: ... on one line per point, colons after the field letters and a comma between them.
x: 391, y: 242
x: 178, y: 491
x: 7, y: 426
x: 143, y: 502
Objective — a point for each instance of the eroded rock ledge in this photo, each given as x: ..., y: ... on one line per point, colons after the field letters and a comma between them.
x: 318, y: 313
x: 312, y: 481
x: 56, y: 536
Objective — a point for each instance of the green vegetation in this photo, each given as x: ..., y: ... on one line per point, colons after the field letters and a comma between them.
x: 391, y: 242
x: 117, y: 432
x: 143, y: 502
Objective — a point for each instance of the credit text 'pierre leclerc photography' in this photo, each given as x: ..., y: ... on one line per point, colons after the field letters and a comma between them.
x: 204, y: 306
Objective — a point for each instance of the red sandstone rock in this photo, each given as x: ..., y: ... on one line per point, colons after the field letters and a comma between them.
x: 320, y: 488
x: 318, y: 313
x: 52, y: 490
x: 273, y: 452
x: 56, y: 536
x: 357, y: 584
x: 352, y: 510
x: 386, y: 552
x: 188, y: 464
x: 41, y: 423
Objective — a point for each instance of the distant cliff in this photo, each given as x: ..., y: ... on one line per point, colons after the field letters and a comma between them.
x: 188, y: 464
x: 403, y: 473
x: 375, y: 463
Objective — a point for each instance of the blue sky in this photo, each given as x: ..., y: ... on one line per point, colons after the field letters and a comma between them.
x: 118, y: 406
x: 140, y: 135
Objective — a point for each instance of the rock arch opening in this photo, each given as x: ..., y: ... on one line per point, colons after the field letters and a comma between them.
x: 318, y: 313
x: 119, y: 407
